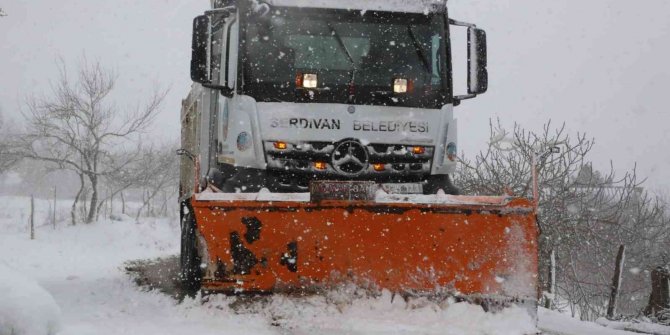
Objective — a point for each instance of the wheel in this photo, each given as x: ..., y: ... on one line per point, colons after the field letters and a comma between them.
x: 443, y: 182
x: 190, y: 272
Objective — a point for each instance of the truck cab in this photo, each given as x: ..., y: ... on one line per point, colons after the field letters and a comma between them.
x: 290, y: 91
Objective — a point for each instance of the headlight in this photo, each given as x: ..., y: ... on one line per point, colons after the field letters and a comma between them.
x: 400, y: 85
x: 309, y: 80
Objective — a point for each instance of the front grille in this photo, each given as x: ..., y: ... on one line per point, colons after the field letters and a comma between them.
x: 298, y: 160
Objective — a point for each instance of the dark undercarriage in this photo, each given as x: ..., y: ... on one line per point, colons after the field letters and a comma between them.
x: 277, y: 181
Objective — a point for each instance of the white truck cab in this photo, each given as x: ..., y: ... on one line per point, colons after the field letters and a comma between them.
x: 290, y: 91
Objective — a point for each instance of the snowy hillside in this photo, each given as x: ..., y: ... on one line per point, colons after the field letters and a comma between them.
x: 82, y: 268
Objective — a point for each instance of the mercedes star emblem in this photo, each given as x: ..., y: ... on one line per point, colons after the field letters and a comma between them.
x: 350, y: 158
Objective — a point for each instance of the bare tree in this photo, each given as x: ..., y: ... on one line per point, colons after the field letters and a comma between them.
x: 584, y: 215
x: 76, y: 127
x: 505, y: 165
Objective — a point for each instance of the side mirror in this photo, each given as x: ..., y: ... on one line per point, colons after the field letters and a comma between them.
x: 211, y: 35
x: 478, y: 76
x: 200, y: 70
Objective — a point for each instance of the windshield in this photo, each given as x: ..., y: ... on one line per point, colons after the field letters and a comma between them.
x: 357, y: 57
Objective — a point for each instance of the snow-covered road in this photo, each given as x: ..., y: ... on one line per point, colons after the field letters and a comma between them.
x: 82, y: 267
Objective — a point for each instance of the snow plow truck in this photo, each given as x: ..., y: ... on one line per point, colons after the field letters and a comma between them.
x: 318, y: 144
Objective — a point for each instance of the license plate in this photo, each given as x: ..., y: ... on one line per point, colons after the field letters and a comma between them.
x: 410, y: 188
x: 342, y: 190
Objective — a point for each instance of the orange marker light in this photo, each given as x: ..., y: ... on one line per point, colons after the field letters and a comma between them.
x: 418, y: 150
x: 280, y: 145
x: 379, y: 167
x: 320, y: 165
x: 298, y: 80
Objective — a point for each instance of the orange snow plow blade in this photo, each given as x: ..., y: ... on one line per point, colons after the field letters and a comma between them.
x: 469, y: 246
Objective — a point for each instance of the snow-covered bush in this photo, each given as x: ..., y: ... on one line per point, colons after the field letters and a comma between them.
x: 25, y: 307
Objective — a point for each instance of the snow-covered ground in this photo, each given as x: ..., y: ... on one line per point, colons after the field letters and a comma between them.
x: 81, y: 269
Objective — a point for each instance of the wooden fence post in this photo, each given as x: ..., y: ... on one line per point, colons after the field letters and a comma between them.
x: 659, y: 299
x: 53, y: 217
x: 123, y: 204
x: 32, y: 217
x: 549, y: 299
x: 616, y: 282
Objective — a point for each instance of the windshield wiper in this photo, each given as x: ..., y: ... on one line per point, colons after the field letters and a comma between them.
x: 344, y: 48
x: 342, y: 45
x: 419, y: 50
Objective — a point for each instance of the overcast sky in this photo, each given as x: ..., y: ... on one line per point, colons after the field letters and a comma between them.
x: 601, y: 66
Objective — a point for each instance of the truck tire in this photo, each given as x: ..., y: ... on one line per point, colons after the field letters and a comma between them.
x: 190, y: 272
x: 440, y: 182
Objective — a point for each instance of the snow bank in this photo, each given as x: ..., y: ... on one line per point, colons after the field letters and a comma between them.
x: 340, y: 314
x: 554, y: 322
x: 635, y: 326
x: 25, y: 307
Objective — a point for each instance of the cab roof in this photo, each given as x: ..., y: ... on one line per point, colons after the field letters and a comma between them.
x: 414, y: 6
